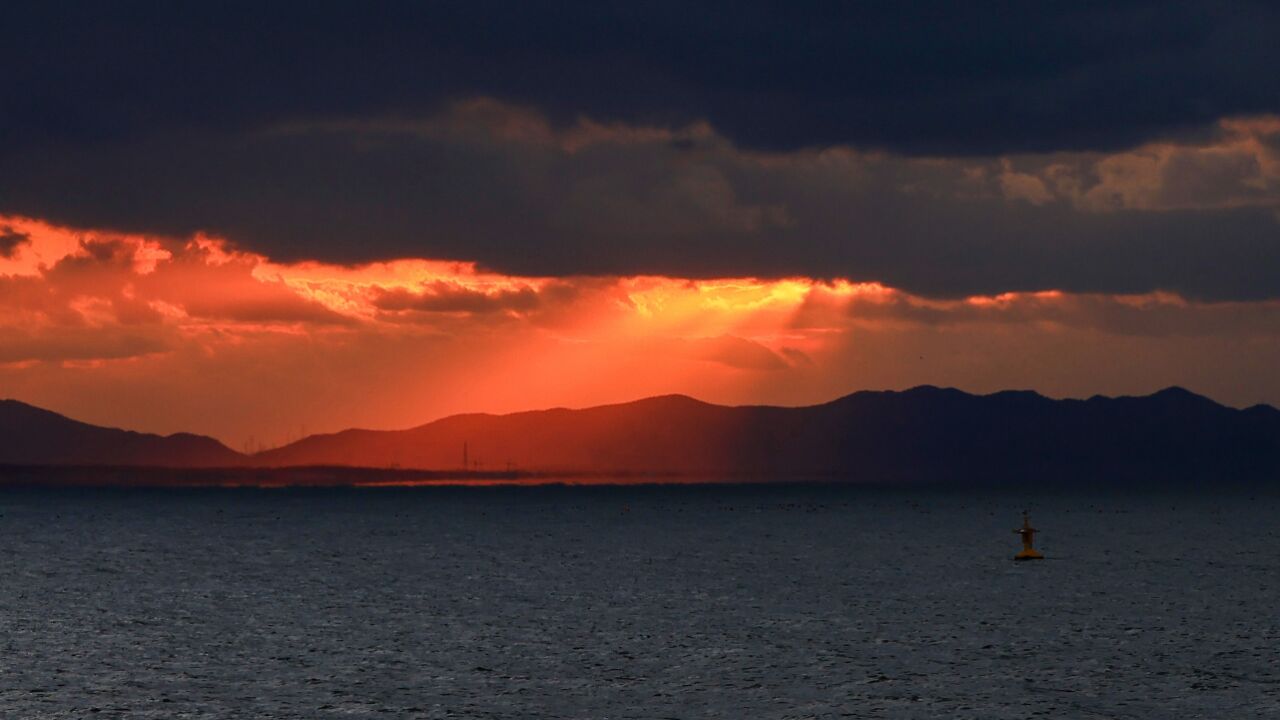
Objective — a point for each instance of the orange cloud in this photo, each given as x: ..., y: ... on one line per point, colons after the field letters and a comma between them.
x: 164, y: 334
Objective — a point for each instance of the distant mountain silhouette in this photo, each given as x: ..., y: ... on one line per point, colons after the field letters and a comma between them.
x: 922, y: 434
x: 32, y: 436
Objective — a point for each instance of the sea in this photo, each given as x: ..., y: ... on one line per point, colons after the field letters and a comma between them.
x: 691, y: 601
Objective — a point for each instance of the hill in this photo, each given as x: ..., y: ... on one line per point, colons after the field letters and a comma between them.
x: 925, y: 434
x: 922, y: 434
x: 32, y: 436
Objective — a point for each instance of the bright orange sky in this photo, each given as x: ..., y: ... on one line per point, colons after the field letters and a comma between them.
x: 165, y: 335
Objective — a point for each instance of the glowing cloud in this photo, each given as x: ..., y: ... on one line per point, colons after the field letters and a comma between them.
x: 113, y: 328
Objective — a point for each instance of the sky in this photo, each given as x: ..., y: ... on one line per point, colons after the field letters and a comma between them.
x: 256, y: 222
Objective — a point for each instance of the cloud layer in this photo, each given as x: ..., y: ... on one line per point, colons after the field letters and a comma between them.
x: 920, y: 78
x: 500, y: 185
x: 945, y: 149
x: 113, y: 328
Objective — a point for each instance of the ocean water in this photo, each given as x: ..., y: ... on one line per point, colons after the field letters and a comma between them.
x: 634, y: 602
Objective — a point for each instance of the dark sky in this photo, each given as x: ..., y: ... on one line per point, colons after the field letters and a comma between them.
x: 945, y: 148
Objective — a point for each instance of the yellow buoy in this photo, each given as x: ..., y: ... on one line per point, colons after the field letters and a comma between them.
x: 1028, y: 535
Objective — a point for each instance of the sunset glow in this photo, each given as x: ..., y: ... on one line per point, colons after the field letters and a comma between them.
x: 264, y: 351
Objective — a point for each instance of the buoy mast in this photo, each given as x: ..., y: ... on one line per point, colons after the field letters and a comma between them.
x: 1028, y: 535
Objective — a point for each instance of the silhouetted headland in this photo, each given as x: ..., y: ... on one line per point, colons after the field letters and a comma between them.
x: 32, y: 436
x: 922, y: 435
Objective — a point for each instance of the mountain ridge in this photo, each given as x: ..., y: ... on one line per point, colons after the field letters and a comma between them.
x: 921, y: 433
x: 895, y: 434
x: 35, y: 436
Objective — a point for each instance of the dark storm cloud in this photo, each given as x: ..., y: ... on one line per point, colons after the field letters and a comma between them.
x: 717, y: 138
x: 922, y: 77
x: 495, y: 184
